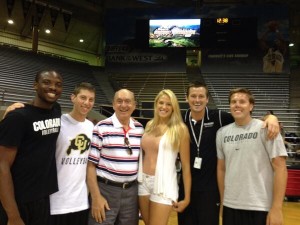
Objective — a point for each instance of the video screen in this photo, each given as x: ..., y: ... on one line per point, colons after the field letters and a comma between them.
x: 173, y: 33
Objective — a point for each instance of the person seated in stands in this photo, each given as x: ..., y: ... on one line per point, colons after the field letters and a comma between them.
x: 292, y: 137
x: 297, y: 153
x: 269, y: 112
x: 287, y: 144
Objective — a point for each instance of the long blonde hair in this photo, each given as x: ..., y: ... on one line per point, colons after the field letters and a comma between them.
x: 175, y: 123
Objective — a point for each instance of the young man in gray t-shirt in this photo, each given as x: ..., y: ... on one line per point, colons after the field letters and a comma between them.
x: 251, y: 169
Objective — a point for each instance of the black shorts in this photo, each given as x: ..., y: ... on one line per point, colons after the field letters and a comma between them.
x: 203, y: 209
x: 243, y: 217
x: 75, y: 218
x: 32, y: 213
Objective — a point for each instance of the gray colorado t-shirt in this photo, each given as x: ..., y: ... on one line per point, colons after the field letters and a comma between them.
x: 249, y: 173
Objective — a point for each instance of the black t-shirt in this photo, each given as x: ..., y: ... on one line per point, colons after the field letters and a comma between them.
x: 34, y: 132
x: 205, y: 179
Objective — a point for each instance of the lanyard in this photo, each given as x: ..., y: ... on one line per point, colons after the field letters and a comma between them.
x: 200, y: 134
x: 125, y: 132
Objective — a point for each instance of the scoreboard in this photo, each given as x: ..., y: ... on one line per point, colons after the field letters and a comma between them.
x: 226, y: 32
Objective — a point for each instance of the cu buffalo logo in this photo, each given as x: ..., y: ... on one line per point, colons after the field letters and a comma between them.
x: 80, y: 143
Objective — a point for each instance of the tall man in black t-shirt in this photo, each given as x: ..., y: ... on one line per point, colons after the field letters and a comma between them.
x: 27, y: 155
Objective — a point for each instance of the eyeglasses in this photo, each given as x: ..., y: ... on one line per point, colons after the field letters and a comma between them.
x: 127, y: 144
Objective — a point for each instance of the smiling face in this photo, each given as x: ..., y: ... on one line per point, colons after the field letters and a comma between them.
x: 83, y: 102
x: 241, y: 108
x: 197, y: 99
x: 124, y: 105
x: 164, y: 107
x: 48, y: 87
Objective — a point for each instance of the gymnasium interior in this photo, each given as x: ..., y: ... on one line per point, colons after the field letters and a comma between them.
x: 110, y: 43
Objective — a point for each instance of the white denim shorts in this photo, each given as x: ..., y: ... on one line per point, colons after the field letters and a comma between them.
x: 146, y: 189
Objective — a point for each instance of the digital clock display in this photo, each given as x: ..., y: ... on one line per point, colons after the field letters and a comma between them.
x: 222, y: 20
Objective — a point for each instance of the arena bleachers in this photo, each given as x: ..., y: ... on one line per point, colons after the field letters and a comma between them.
x: 146, y: 86
x: 18, y: 69
x: 271, y: 91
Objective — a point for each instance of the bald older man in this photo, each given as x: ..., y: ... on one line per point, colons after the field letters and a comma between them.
x: 113, y: 165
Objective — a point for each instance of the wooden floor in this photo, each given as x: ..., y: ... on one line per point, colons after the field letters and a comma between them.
x: 291, y: 214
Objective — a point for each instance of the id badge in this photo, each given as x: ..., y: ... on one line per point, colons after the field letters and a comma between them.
x: 197, y: 162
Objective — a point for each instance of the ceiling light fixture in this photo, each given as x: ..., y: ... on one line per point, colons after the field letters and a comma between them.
x: 291, y: 44
x: 10, y: 21
x: 81, y: 40
x: 148, y: 1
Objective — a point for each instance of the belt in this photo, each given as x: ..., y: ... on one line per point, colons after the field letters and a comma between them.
x: 124, y: 185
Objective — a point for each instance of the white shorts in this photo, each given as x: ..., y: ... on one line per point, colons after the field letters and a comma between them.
x: 146, y: 189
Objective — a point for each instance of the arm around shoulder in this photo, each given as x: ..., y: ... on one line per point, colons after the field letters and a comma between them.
x: 272, y: 124
x: 12, y: 107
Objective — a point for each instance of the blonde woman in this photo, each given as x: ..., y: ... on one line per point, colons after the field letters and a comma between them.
x: 165, y: 136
